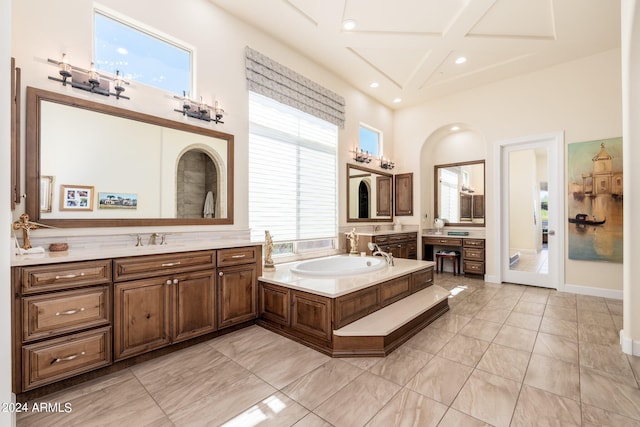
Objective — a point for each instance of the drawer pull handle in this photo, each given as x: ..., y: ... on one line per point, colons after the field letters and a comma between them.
x: 70, y: 312
x: 170, y: 264
x: 69, y: 276
x: 239, y: 256
x: 66, y: 359
x: 443, y: 241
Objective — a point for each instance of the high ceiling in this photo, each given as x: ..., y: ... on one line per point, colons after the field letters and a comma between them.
x: 409, y: 47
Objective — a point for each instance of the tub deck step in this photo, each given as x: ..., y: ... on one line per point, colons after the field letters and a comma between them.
x: 384, y: 330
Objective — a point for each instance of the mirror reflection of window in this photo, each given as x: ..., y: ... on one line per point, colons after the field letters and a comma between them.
x: 449, y: 207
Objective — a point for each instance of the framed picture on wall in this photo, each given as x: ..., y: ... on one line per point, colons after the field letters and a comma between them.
x: 117, y: 201
x: 76, y: 198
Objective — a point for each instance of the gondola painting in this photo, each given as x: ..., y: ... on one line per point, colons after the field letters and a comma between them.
x: 595, y: 197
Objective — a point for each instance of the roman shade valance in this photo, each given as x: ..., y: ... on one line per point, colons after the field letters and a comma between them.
x: 270, y: 78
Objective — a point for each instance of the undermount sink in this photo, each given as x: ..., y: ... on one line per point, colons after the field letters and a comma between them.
x: 342, y: 265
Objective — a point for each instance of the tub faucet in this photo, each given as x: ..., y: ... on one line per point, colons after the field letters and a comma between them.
x: 375, y: 250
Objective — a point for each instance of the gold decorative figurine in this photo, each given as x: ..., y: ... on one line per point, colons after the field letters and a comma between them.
x: 26, y: 227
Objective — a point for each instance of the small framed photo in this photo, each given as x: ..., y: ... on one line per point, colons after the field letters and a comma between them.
x: 46, y: 193
x: 76, y: 198
x: 117, y: 201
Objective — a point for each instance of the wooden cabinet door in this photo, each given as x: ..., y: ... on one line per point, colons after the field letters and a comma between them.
x: 311, y: 314
x: 403, y: 194
x: 141, y: 316
x: 275, y: 303
x: 383, y: 199
x: 237, y: 294
x: 193, y: 299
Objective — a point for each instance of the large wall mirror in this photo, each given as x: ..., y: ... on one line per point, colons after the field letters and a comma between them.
x: 369, y: 195
x: 95, y: 165
x: 459, y: 193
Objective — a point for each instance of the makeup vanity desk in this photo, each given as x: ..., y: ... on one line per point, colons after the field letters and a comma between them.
x: 471, y: 247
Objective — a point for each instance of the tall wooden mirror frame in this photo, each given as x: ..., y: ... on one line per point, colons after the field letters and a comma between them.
x: 388, y: 178
x: 15, y: 135
x: 436, y: 211
x: 32, y: 160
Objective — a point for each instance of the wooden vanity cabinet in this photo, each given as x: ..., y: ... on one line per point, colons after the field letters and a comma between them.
x: 473, y: 261
x: 472, y: 251
x: 157, y: 311
x: 238, y: 271
x: 62, y: 321
x: 403, y: 194
x: 400, y: 245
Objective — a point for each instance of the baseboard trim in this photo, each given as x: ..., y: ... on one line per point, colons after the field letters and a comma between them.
x: 491, y: 278
x: 628, y: 345
x: 596, y: 292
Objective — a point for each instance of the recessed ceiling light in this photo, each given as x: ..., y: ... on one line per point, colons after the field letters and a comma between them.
x: 348, y: 24
x: 397, y: 100
x: 461, y: 60
x: 455, y: 128
x: 374, y: 85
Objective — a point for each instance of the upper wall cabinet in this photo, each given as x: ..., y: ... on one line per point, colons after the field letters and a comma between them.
x: 369, y: 195
x: 403, y: 194
x: 459, y: 193
x: 95, y: 165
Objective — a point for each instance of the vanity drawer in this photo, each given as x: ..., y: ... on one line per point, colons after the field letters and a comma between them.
x: 54, y: 314
x: 474, y: 243
x: 235, y: 256
x: 64, y: 276
x: 441, y: 241
x: 381, y: 240
x: 473, y: 267
x: 53, y: 360
x: 473, y: 254
x: 403, y: 237
x: 142, y: 267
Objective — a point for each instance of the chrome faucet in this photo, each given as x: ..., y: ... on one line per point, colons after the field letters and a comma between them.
x: 375, y: 250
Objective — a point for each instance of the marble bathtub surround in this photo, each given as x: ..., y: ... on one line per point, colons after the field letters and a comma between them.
x: 465, y: 369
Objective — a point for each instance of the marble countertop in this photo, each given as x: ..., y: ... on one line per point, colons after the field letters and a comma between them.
x: 84, y: 254
x: 473, y: 234
x: 384, y: 232
x: 333, y: 287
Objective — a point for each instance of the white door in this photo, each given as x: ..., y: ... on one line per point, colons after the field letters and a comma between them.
x: 531, y: 209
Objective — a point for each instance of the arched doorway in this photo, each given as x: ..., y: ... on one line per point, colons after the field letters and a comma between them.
x: 363, y: 200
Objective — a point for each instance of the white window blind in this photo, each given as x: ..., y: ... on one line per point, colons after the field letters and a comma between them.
x: 448, y: 203
x: 292, y: 173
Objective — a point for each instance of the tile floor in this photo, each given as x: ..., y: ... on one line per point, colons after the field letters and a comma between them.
x: 504, y: 355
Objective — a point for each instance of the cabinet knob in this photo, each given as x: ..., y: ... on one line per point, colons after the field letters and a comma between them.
x: 220, y: 274
x: 168, y: 282
x: 175, y: 281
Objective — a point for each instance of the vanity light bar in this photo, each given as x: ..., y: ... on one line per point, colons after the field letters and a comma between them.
x: 89, y: 80
x: 200, y: 110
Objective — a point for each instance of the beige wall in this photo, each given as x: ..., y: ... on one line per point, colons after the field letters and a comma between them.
x: 219, y: 40
x: 6, y: 418
x: 630, y: 335
x: 582, y: 98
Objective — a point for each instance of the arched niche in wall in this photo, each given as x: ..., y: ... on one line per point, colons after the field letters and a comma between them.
x: 453, y: 143
x: 197, y: 184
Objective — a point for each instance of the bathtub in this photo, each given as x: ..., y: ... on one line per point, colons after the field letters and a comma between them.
x: 342, y: 265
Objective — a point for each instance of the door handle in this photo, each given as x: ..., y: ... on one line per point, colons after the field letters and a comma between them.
x: 552, y: 232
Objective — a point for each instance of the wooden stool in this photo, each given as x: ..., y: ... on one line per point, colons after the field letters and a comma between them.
x: 440, y: 257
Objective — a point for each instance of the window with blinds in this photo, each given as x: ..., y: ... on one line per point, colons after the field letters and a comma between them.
x: 292, y: 177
